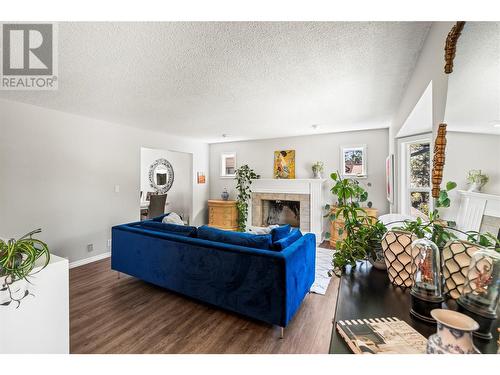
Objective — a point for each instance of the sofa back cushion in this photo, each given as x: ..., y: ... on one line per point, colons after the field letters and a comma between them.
x: 280, y: 232
x: 293, y: 236
x: 180, y: 230
x: 256, y: 241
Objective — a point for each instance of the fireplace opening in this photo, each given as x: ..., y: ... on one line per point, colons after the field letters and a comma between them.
x: 281, y: 212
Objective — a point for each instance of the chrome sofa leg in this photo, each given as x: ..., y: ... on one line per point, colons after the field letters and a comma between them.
x: 282, y: 333
x: 118, y: 273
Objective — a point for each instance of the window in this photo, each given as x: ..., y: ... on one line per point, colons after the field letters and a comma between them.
x: 416, y: 197
x: 228, y: 164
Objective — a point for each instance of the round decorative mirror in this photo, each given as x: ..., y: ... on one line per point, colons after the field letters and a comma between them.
x: 161, y: 176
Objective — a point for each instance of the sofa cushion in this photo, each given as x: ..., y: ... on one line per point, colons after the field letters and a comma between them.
x: 288, y: 240
x: 181, y: 230
x: 256, y: 241
x: 280, y: 232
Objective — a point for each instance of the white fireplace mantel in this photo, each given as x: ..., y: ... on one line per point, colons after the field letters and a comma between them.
x: 311, y: 186
x: 473, y: 206
x: 292, y: 186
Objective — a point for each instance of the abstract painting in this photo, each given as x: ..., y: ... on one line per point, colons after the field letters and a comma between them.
x: 284, y: 164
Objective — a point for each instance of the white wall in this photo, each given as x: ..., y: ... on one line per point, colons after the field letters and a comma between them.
x: 180, y: 195
x: 58, y: 171
x: 259, y: 155
x: 466, y: 151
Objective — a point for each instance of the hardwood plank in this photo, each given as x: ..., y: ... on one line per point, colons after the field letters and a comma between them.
x: 127, y: 315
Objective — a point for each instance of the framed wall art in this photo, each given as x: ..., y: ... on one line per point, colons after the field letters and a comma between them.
x: 353, y: 161
x: 284, y: 164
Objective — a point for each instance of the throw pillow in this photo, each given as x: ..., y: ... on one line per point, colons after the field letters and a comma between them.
x: 256, y: 241
x: 280, y: 232
x: 261, y: 230
x: 288, y: 240
x: 173, y: 218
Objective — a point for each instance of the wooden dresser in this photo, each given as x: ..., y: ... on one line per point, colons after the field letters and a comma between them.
x: 222, y: 214
x: 337, y: 224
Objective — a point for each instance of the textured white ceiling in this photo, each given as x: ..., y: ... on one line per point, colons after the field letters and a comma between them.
x: 246, y: 79
x: 473, y: 103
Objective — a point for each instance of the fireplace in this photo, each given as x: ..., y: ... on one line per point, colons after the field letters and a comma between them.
x: 281, y: 208
x: 298, y: 202
x: 281, y: 212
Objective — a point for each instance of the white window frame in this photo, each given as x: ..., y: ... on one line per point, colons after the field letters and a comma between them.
x: 223, y: 157
x: 404, y: 172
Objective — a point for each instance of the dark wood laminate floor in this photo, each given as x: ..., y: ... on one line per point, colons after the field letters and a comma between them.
x: 127, y: 315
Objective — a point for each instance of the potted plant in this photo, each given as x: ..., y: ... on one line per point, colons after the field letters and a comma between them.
x: 317, y: 169
x: 17, y: 261
x: 361, y: 234
x: 370, y: 234
x: 476, y: 180
x: 243, y: 176
x: 436, y: 229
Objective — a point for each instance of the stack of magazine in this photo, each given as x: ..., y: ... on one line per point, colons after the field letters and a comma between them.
x: 381, y: 335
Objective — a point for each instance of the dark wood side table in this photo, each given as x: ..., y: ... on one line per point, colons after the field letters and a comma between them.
x: 365, y: 292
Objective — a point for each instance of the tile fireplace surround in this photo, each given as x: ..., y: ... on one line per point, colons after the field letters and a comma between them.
x: 309, y: 192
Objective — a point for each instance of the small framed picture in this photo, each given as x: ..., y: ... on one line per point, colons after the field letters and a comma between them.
x: 284, y: 164
x: 353, y: 161
x: 228, y: 165
x: 200, y: 177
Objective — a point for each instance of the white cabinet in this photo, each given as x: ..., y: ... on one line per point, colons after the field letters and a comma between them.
x: 41, y: 323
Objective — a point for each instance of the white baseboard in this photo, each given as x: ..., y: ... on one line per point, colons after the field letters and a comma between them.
x: 95, y: 258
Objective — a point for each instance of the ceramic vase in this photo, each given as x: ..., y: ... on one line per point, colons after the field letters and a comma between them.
x: 456, y: 259
x: 317, y: 174
x: 224, y: 195
x: 396, y: 245
x: 475, y: 187
x: 454, y: 333
x: 379, y: 262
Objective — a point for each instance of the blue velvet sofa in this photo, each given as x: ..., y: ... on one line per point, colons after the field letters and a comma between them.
x: 265, y: 284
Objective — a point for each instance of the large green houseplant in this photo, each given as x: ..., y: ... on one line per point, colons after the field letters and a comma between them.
x: 17, y: 261
x: 244, y: 177
x: 362, y: 234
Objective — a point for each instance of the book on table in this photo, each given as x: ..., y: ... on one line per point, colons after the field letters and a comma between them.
x: 381, y: 335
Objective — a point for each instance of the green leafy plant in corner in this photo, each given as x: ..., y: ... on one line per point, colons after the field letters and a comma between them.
x: 17, y: 261
x: 362, y: 233
x: 244, y: 177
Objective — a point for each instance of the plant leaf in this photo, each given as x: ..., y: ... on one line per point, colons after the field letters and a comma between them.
x: 450, y: 185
